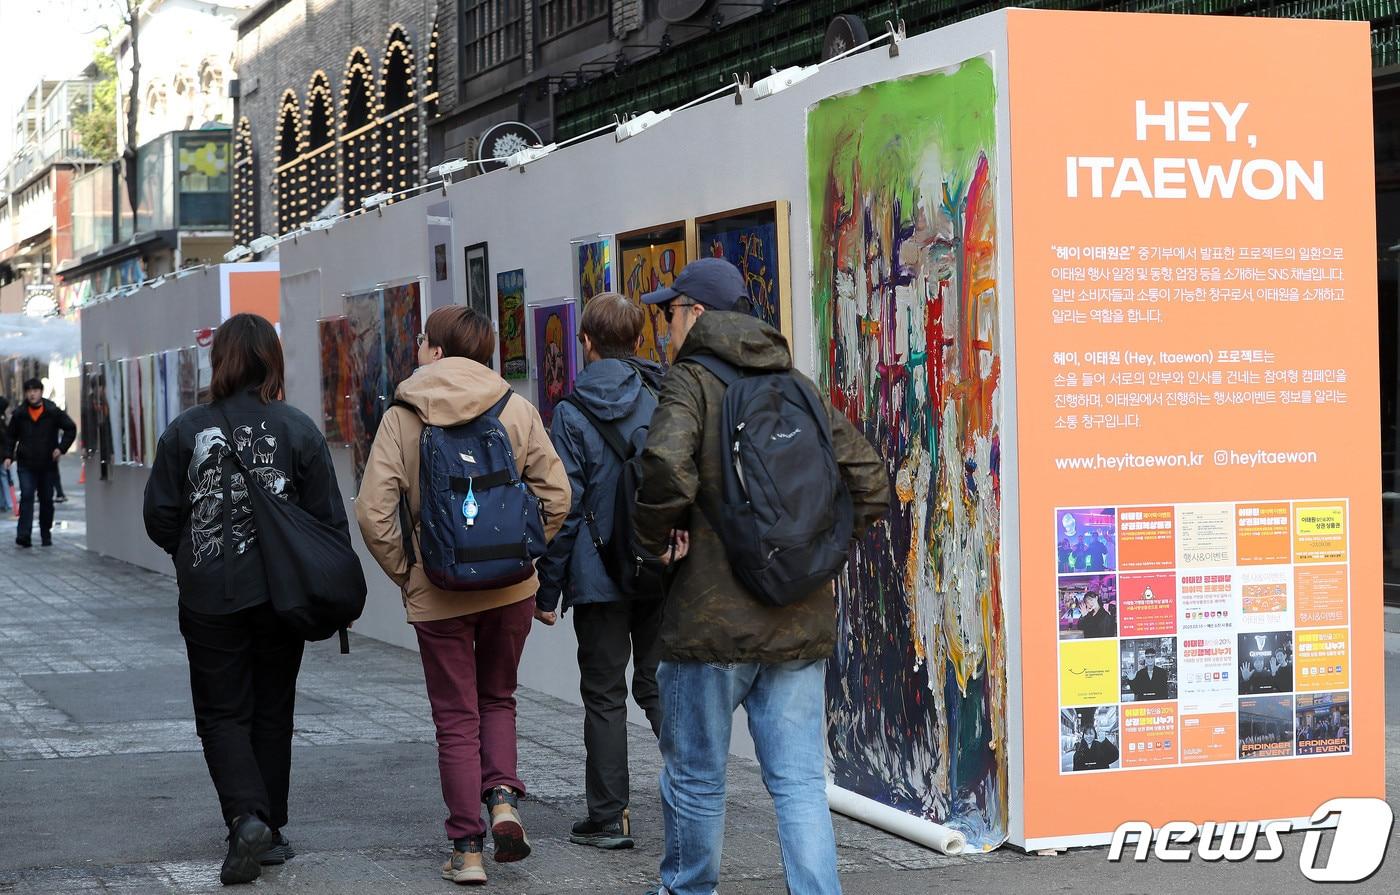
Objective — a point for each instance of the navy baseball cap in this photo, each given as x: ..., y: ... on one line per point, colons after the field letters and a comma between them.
x: 712, y: 282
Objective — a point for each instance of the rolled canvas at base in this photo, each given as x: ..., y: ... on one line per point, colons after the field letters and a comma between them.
x: 924, y: 832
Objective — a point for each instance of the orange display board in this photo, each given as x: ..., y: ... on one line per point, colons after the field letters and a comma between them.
x: 252, y: 288
x: 1194, y: 268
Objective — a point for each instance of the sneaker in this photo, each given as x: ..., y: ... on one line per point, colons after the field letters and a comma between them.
x: 507, y: 832
x: 280, y: 852
x: 60, y: 499
x: 608, y: 835
x: 248, y: 838
x: 46, y: 542
x: 24, y: 544
x: 465, y: 867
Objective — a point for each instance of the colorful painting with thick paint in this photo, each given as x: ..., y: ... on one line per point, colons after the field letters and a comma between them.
x: 338, y: 390
x: 556, y: 337
x: 510, y: 297
x: 651, y: 260
x: 593, y: 266
x: 403, y: 321
x: 749, y: 241
x: 365, y: 315
x: 905, y: 297
x: 189, y: 378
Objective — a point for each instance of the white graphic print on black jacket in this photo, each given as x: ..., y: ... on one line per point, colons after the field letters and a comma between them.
x: 217, y: 561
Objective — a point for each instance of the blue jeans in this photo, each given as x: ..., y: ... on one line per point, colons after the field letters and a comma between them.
x: 785, y: 705
x: 34, y: 482
x: 4, y: 490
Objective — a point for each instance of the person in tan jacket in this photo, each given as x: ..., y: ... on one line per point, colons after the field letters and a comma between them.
x: 470, y: 641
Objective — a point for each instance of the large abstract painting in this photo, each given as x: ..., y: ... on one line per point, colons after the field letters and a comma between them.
x: 556, y: 335
x: 403, y: 321
x: 905, y: 296
x: 652, y: 259
x: 510, y: 298
x: 755, y: 241
x: 365, y: 315
x: 338, y: 389
x: 593, y: 266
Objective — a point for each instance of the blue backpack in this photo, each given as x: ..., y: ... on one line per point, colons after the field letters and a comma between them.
x: 479, y: 526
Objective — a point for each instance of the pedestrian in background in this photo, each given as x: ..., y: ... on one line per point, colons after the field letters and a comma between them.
x: 614, y: 396
x: 37, y: 435
x: 243, y: 659
x: 5, y: 481
x: 721, y: 647
x: 470, y: 640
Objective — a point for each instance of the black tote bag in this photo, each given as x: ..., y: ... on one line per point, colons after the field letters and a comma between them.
x: 314, y: 578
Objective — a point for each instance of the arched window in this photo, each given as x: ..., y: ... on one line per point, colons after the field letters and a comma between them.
x: 289, y: 204
x: 245, y: 184
x: 359, y: 129
x: 320, y: 181
x: 398, y: 123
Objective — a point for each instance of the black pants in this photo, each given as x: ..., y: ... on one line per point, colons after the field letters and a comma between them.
x: 243, y: 676
x: 35, y: 483
x: 608, y: 635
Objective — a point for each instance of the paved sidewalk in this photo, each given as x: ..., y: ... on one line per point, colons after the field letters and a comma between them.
x: 103, y: 787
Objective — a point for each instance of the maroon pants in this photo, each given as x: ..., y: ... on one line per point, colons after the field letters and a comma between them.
x: 470, y: 663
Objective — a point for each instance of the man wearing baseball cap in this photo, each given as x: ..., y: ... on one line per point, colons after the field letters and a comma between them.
x: 38, y: 434
x: 720, y: 646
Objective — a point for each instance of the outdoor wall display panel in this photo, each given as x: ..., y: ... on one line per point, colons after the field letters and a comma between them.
x: 905, y: 293
x: 593, y: 260
x: 555, y: 328
x: 1197, y: 446
x: 755, y: 240
x: 338, y: 389
x: 651, y: 259
x: 510, y: 299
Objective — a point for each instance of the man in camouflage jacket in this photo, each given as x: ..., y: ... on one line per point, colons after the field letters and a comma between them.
x: 722, y: 647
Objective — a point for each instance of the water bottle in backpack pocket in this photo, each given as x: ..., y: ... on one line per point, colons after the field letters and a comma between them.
x: 479, y: 526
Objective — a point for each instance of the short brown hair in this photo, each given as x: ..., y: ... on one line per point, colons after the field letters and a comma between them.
x: 613, y: 324
x: 461, y: 332
x: 246, y: 354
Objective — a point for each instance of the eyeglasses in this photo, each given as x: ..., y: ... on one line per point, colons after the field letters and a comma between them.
x: 422, y: 338
x: 669, y: 309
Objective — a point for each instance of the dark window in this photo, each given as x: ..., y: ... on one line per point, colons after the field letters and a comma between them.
x: 492, y: 33
x: 556, y: 17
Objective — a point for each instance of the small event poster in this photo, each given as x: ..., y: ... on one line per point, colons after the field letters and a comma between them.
x: 403, y: 322
x: 556, y: 345
x: 592, y: 258
x: 1323, y: 723
x: 1090, y: 739
x: 510, y: 295
x: 1087, y: 541
x: 337, y: 390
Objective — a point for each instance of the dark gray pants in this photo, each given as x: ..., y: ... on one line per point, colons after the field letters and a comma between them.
x: 608, y: 635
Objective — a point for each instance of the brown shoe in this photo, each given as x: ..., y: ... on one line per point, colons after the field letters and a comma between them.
x: 465, y: 868
x: 507, y: 831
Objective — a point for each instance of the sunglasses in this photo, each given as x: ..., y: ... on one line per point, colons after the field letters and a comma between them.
x: 668, y: 310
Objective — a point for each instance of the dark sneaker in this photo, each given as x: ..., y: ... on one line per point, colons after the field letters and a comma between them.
x: 465, y: 867
x: 280, y: 852
x: 248, y: 838
x: 507, y: 832
x: 608, y: 835
x: 60, y: 499
x: 46, y: 542
x: 25, y: 544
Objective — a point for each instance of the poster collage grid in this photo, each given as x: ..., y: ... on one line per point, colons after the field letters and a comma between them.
x: 1202, y: 633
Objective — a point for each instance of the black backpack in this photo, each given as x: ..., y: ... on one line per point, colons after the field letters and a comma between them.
x: 637, y: 573
x: 787, y: 516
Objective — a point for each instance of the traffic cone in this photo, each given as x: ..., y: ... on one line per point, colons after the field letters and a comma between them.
x: 82, y: 474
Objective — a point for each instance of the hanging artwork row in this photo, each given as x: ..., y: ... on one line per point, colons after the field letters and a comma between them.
x: 128, y: 403
x: 365, y: 354
x: 905, y: 300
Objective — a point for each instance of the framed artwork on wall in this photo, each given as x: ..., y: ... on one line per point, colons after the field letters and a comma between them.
x: 478, y: 273
x: 650, y: 259
x: 403, y: 321
x: 510, y: 296
x: 337, y: 385
x: 755, y: 240
x: 556, y: 361
x: 594, y: 263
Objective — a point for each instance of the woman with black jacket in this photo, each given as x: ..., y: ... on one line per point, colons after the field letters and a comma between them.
x: 243, y: 660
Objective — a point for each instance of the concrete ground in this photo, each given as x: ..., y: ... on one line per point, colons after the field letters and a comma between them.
x: 103, y: 787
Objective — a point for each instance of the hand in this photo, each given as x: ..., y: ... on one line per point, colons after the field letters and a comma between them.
x: 56, y: 454
x: 549, y: 618
x: 1246, y: 671
x: 680, y: 546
